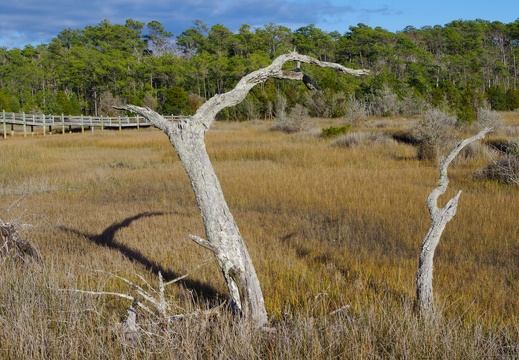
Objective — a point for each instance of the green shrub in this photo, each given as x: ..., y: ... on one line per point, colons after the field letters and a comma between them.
x: 333, y: 131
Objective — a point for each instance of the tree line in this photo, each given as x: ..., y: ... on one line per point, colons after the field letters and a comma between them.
x: 461, y: 67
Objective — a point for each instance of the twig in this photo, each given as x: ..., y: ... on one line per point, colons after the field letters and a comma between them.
x: 339, y: 310
x: 124, y: 296
x: 204, y: 243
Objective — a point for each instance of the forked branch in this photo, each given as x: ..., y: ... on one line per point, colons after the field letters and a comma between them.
x: 439, y: 219
x: 155, y: 300
x: 222, y: 233
x: 207, y: 112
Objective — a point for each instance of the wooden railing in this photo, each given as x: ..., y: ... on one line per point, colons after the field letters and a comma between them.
x: 63, y: 122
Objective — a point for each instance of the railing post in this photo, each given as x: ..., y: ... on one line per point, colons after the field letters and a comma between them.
x: 120, y: 125
x: 24, y: 121
x: 82, y: 124
x: 62, y: 124
x: 43, y: 122
x: 5, y: 124
x: 102, y: 123
x: 138, y: 125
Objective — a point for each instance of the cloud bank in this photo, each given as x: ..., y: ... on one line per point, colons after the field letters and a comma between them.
x: 38, y: 21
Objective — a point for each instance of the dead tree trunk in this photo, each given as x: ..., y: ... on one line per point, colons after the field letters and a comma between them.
x: 439, y: 219
x: 223, y: 236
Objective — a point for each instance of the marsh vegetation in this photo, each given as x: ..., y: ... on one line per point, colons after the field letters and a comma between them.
x: 327, y: 227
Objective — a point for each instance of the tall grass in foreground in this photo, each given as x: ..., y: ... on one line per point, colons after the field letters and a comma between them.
x: 326, y: 227
x: 39, y: 322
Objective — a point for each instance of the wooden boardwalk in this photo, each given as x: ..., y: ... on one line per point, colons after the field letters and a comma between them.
x: 26, y: 123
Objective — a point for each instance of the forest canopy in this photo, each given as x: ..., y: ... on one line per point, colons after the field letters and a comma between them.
x: 460, y: 67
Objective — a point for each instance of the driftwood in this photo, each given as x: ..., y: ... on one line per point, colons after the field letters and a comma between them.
x: 223, y: 236
x: 150, y: 301
x: 129, y: 328
x: 439, y: 219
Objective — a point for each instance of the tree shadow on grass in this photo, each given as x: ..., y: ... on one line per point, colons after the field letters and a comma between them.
x: 107, y: 238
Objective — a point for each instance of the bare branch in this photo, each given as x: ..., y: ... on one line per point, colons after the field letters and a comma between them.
x: 153, y: 117
x: 206, y: 113
x: 143, y: 293
x: 124, y: 296
x: 204, y: 243
x: 187, y: 274
x: 443, y: 181
x: 439, y: 219
x: 222, y: 233
x: 162, y: 309
x: 145, y: 282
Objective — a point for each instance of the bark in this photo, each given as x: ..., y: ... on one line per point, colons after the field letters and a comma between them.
x: 439, y: 219
x: 223, y: 236
x: 129, y: 327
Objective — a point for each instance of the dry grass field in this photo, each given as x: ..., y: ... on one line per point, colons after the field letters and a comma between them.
x: 326, y: 226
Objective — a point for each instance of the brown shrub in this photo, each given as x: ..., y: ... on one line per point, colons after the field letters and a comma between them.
x: 363, y: 138
x: 13, y: 245
x: 505, y: 169
x: 297, y: 121
x: 435, y: 132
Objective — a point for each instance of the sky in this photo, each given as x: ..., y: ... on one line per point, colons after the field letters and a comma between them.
x: 24, y: 22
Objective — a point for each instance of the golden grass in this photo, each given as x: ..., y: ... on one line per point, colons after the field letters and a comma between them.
x: 325, y: 226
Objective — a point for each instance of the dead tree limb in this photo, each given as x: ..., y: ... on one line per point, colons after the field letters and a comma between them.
x: 151, y: 300
x: 129, y: 327
x: 439, y: 219
x: 13, y: 245
x: 222, y: 233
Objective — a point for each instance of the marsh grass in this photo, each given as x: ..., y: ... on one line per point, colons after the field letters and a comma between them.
x: 326, y: 226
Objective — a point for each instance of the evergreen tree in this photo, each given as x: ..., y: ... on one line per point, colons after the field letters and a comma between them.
x: 512, y: 99
x: 457, y: 66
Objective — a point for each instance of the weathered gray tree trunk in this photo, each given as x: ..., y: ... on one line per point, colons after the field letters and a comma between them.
x: 223, y: 236
x: 439, y: 219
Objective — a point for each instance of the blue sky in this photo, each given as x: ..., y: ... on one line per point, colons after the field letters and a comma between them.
x: 33, y: 22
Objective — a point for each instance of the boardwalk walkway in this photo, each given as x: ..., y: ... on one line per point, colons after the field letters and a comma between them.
x: 26, y: 122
